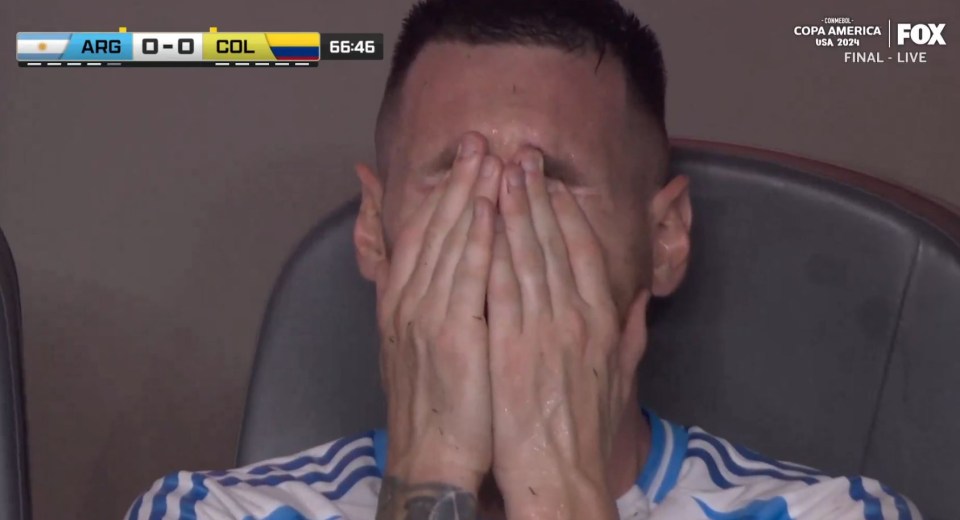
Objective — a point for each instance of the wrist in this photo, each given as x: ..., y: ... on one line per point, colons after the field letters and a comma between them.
x: 568, y: 494
x: 436, y: 466
x: 413, y: 487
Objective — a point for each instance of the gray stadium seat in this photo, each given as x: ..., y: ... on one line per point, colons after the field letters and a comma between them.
x: 819, y: 323
x: 14, y: 484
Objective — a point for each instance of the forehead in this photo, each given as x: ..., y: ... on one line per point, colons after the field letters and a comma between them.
x: 565, y: 103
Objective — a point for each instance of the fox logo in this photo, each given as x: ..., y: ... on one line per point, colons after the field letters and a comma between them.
x: 921, y: 33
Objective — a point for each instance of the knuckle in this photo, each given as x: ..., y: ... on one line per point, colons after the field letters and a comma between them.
x: 574, y: 327
x: 407, y: 317
x: 421, y: 331
x: 471, y: 265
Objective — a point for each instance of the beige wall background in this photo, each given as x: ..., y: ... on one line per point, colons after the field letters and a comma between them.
x: 149, y: 210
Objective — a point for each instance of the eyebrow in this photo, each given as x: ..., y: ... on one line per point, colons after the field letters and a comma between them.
x: 553, y: 167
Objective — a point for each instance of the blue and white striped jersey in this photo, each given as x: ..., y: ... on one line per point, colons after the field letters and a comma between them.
x: 689, y: 475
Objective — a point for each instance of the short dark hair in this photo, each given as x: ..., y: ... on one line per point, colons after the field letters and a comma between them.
x: 571, y: 25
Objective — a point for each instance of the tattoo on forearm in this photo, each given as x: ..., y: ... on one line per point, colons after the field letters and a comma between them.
x: 427, y: 501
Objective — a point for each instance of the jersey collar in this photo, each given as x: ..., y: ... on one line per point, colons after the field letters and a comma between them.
x: 668, y: 447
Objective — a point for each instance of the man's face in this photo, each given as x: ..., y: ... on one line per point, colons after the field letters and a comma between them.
x: 578, y: 114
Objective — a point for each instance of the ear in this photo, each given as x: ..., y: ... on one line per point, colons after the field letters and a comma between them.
x: 671, y: 217
x: 368, y: 231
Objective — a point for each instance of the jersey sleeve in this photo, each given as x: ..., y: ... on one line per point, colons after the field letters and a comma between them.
x: 850, y: 498
x: 199, y: 496
x: 724, y: 481
x: 830, y: 498
x: 185, y: 495
x: 339, y: 480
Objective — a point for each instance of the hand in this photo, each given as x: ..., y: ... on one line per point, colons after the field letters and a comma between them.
x: 434, y: 357
x: 561, y: 369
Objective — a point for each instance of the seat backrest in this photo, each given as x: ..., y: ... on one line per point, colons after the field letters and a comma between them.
x: 819, y: 323
x: 14, y: 482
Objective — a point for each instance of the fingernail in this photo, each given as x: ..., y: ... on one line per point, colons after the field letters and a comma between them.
x: 478, y: 209
x: 529, y: 164
x: 468, y: 148
x: 515, y: 178
x: 553, y: 186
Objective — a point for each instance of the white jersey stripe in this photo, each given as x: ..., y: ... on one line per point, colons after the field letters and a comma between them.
x: 735, y: 473
x: 167, y: 501
x: 319, y: 456
x: 734, y: 458
x: 669, y: 445
x: 887, y: 506
x: 309, y: 472
x: 751, y: 455
x: 140, y: 509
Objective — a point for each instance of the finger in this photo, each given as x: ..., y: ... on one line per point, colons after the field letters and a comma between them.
x: 469, y: 285
x: 450, y: 207
x: 388, y: 334
x: 633, y: 340
x: 559, y: 273
x: 384, y: 313
x: 503, y: 292
x: 442, y: 281
x: 488, y: 184
x: 528, y: 261
x: 583, y: 249
x: 406, y: 250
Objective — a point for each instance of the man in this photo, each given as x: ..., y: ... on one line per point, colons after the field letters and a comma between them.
x: 518, y: 220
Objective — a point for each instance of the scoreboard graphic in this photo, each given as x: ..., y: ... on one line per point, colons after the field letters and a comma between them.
x: 191, y: 49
